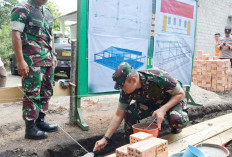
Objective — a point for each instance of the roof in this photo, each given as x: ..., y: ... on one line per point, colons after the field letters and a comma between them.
x: 69, y: 17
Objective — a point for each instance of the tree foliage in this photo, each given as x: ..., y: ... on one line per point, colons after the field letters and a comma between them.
x: 5, y: 41
x: 5, y: 25
x: 55, y: 13
x: 5, y: 32
x: 5, y: 10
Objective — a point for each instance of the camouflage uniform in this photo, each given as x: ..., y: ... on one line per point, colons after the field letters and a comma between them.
x: 157, y: 89
x: 35, y: 24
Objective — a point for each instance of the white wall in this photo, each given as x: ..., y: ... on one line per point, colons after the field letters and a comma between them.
x: 73, y: 31
x: 212, y: 18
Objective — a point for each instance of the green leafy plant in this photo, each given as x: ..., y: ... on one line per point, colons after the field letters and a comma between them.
x: 5, y: 25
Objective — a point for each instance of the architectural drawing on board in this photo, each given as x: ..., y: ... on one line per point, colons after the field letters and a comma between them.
x: 170, y: 55
x: 177, y: 16
x: 125, y: 18
x: 113, y: 56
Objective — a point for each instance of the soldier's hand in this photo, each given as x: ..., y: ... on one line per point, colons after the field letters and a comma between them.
x: 159, y: 115
x: 100, y: 145
x: 222, y: 44
x: 23, y: 68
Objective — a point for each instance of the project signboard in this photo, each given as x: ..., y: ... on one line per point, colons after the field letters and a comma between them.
x: 175, y: 37
x: 118, y: 31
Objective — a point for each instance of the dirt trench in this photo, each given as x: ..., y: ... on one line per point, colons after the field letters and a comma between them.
x: 196, y: 115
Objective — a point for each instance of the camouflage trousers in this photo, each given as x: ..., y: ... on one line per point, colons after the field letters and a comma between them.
x: 38, y: 89
x: 177, y: 116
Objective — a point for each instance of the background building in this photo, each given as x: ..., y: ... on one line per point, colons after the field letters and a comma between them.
x: 212, y: 17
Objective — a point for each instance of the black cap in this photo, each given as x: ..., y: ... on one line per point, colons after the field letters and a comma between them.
x: 227, y: 30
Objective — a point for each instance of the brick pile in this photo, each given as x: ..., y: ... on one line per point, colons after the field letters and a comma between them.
x: 147, y: 146
x: 211, y: 74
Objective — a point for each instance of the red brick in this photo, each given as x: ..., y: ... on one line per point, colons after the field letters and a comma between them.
x: 160, y: 143
x: 215, y: 57
x: 122, y: 151
x: 132, y: 148
x: 149, y: 149
x: 200, y: 52
x: 163, y: 154
x: 140, y: 136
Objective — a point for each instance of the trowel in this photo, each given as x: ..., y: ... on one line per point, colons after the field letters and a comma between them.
x: 90, y: 154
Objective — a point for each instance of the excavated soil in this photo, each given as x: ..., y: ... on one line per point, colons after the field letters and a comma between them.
x: 97, y: 113
x: 196, y: 115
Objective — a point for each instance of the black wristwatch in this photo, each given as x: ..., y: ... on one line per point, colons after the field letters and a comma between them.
x: 54, y: 53
x: 107, y: 139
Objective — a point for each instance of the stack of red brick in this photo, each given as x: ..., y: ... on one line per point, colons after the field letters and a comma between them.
x: 211, y: 74
x: 143, y: 145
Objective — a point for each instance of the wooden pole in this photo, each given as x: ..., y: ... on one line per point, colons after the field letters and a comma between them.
x: 72, y: 112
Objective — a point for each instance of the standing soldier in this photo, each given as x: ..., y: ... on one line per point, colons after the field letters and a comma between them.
x: 225, y: 45
x: 155, y: 93
x: 33, y: 44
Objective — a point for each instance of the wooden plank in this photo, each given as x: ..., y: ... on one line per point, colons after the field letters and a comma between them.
x: 196, y: 138
x: 10, y: 94
x: 111, y: 155
x: 221, y: 139
x: 196, y: 128
x: 224, y: 136
x: 199, y: 132
x: 14, y: 94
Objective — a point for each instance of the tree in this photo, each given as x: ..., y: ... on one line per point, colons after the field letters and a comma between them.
x: 5, y: 40
x: 5, y: 9
x: 5, y: 25
x: 55, y: 13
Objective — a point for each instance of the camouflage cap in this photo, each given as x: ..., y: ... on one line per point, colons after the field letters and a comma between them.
x: 121, y: 73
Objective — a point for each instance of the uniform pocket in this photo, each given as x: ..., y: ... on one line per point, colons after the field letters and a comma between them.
x: 34, y: 28
x: 35, y: 22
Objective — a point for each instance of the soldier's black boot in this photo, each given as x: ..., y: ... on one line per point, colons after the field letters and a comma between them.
x: 42, y: 125
x: 32, y: 132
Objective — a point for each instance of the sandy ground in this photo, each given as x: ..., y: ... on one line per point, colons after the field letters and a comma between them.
x: 97, y: 112
x: 13, y: 80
